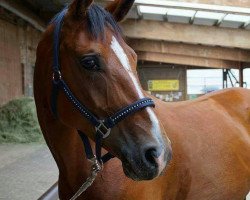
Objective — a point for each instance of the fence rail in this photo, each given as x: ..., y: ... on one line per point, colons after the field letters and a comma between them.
x: 51, y: 193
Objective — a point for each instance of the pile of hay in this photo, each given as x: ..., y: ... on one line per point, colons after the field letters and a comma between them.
x: 18, y: 122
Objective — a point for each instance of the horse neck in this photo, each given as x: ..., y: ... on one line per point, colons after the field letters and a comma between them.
x: 67, y: 149
x: 64, y: 142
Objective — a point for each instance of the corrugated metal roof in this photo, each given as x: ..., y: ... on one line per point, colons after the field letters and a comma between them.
x: 171, y: 11
x: 193, y: 13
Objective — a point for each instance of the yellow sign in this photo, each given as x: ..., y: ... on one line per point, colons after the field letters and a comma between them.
x: 163, y: 85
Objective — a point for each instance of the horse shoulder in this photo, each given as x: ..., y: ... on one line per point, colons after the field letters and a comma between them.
x: 207, y: 133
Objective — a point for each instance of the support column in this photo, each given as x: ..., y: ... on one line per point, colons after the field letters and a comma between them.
x: 241, y: 76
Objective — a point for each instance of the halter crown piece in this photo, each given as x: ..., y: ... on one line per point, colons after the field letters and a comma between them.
x: 102, y: 127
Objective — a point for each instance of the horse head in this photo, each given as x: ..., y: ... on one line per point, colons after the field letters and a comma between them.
x: 100, y: 69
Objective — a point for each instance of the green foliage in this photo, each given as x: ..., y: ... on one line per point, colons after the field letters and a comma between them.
x: 18, y: 122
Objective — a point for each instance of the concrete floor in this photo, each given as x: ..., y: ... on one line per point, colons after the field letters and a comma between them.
x: 26, y: 171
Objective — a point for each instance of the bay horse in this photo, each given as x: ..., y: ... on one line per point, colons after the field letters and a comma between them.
x: 210, y: 136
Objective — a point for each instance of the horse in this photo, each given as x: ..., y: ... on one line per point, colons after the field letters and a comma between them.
x: 191, y: 150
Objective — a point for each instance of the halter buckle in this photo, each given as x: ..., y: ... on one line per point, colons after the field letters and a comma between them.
x: 103, y: 129
x: 57, y: 76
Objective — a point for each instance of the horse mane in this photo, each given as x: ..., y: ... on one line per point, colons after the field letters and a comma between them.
x: 97, y: 19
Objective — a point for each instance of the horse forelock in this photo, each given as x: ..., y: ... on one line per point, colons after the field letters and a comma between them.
x: 97, y: 19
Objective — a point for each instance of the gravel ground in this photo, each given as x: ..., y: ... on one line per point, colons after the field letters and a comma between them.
x: 26, y: 171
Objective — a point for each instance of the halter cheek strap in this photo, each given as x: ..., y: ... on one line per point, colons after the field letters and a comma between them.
x: 102, y: 127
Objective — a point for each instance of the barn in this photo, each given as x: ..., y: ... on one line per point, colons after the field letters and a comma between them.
x: 170, y: 38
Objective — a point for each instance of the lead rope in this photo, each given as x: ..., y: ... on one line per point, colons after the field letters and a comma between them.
x: 96, y: 160
x: 95, y: 169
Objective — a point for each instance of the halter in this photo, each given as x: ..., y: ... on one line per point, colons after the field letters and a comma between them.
x: 102, y: 127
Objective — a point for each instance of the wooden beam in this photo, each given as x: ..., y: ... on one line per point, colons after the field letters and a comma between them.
x: 191, y: 34
x: 23, y: 13
x: 239, y: 3
x: 187, y: 60
x: 154, y: 46
x: 234, y: 7
x: 194, y: 6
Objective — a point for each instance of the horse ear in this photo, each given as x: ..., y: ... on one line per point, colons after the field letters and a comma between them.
x: 78, y: 8
x: 120, y: 8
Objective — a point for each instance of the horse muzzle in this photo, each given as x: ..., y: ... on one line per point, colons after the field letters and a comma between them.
x: 146, y: 164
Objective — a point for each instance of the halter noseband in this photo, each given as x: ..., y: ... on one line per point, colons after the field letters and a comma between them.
x: 102, y: 127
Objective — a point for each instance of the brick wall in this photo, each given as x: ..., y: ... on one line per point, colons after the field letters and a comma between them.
x: 29, y: 38
x: 18, y: 42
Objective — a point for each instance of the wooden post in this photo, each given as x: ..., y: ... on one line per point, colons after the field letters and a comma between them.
x: 241, y: 76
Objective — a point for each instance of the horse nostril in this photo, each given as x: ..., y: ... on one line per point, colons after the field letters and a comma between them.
x: 151, y: 155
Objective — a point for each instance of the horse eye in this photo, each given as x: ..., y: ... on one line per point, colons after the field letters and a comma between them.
x: 90, y: 63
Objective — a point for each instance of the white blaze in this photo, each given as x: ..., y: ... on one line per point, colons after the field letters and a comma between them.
x: 119, y: 52
x: 248, y: 196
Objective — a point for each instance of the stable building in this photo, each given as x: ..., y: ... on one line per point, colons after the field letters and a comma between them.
x: 169, y: 37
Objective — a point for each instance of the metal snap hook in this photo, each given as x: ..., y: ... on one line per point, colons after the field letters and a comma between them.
x: 57, y: 76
